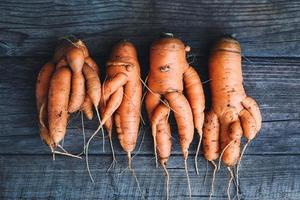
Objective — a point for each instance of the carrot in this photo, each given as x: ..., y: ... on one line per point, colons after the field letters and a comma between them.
x: 72, y: 52
x: 61, y: 63
x: 92, y: 84
x: 93, y: 89
x: 87, y: 108
x: 58, y: 99
x: 42, y: 88
x: 121, y: 97
x: 169, y: 75
x: 123, y: 72
x: 211, y: 147
x: 237, y: 114
x: 161, y: 132
x: 89, y: 61
x: 42, y: 84
x: 75, y: 58
x: 77, y: 92
x: 195, y: 95
x: 66, y: 45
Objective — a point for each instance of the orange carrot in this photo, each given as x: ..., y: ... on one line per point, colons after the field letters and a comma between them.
x: 42, y: 88
x: 77, y: 92
x: 237, y: 114
x: 87, y: 107
x: 58, y: 100
x: 169, y: 75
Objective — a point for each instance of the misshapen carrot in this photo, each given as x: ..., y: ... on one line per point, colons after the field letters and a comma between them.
x: 58, y: 100
x: 42, y: 88
x: 77, y: 92
x: 169, y: 76
x: 87, y: 106
x: 66, y: 45
x: 229, y: 100
x: 237, y: 114
x: 123, y: 71
x: 72, y: 52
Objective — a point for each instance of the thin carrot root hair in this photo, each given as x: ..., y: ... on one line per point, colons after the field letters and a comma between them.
x: 207, y: 81
x: 134, y: 174
x: 143, y: 97
x: 145, y: 81
x: 141, y: 143
x: 206, y: 172
x: 140, y: 114
x: 83, y: 134
x: 167, y: 176
x: 238, y: 168
x: 197, y: 153
x: 65, y: 152
x: 229, y: 182
x: 87, y: 151
x: 155, y: 152
x: 68, y: 38
x: 101, y: 127
x: 62, y: 142
x: 102, y: 88
x: 162, y: 101
x: 213, y: 179
x: 114, y: 161
x: 221, y: 155
x: 188, y: 178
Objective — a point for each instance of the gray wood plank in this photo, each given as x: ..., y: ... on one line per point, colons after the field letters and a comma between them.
x: 38, y: 177
x: 279, y: 137
x: 273, y: 82
x: 265, y: 28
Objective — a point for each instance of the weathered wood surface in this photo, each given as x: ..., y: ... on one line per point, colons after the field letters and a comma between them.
x: 262, y: 177
x: 265, y: 28
x: 269, y: 36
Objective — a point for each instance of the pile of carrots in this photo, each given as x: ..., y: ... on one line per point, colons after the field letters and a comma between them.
x: 70, y: 83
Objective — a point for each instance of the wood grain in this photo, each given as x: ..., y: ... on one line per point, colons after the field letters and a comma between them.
x: 264, y: 28
x: 262, y: 177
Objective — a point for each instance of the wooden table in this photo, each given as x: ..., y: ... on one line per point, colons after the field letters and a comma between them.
x: 269, y: 36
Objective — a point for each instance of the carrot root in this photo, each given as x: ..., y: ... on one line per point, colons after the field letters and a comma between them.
x: 87, y: 151
x: 114, y: 161
x: 133, y: 173
x: 238, y: 168
x: 65, y: 154
x: 188, y: 178
x: 83, y: 132
x: 206, y: 172
x: 197, y: 153
x: 213, y: 179
x: 229, y: 183
x: 167, y: 180
x: 220, y: 159
x: 102, y: 130
x: 155, y: 152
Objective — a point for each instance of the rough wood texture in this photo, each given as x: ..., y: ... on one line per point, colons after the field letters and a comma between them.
x: 265, y: 28
x: 269, y: 36
x: 262, y: 177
